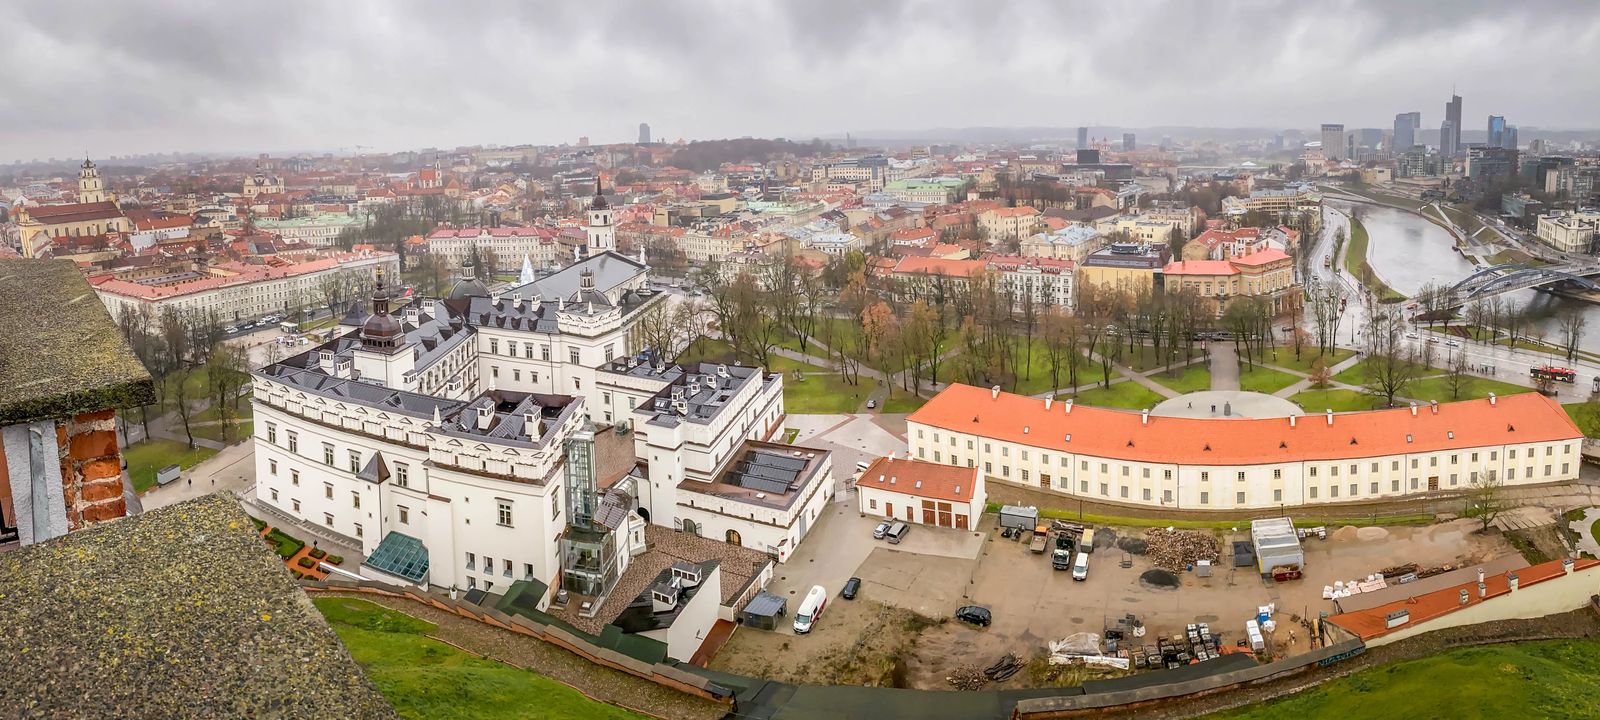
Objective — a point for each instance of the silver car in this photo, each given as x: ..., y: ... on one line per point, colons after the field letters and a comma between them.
x: 881, y: 530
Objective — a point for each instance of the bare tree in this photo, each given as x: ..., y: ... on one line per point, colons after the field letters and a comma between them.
x: 1572, y: 326
x: 1486, y: 499
x: 1391, y: 365
x: 1457, y: 379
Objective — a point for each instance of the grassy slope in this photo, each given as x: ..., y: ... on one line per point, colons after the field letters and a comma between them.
x: 1588, y: 422
x: 1550, y: 679
x: 1193, y: 378
x: 425, y: 678
x: 1315, y: 401
x: 1129, y: 395
x: 1264, y: 379
x: 145, y: 458
x: 1284, y: 358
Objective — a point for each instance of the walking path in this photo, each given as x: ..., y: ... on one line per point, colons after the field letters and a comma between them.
x: 1305, y: 382
x: 1584, y: 527
x: 1224, y: 366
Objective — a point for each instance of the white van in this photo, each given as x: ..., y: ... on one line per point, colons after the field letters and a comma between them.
x: 897, y: 532
x: 1080, y: 566
x: 810, y: 609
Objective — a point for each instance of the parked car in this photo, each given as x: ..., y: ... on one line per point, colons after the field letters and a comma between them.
x: 872, y: 404
x: 851, y: 587
x: 881, y: 530
x: 1453, y: 343
x: 975, y: 614
x: 1411, y: 335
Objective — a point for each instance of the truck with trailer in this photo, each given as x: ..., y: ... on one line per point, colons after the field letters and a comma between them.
x: 1066, y: 537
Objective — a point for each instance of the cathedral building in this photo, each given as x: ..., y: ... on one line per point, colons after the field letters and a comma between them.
x: 96, y: 212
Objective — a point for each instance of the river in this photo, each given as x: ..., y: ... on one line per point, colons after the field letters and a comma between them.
x: 1408, y: 252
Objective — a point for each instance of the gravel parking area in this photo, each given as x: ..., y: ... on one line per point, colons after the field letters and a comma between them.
x: 598, y: 682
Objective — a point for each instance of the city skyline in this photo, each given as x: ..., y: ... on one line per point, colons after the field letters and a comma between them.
x: 157, y: 77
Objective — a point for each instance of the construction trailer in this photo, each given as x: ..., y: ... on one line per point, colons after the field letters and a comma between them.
x: 1277, y: 547
x: 1019, y: 516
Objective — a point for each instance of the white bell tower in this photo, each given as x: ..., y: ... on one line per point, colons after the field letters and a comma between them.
x: 602, y: 230
x: 90, y: 188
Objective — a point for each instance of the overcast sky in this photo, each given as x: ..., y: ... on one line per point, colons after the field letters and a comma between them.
x: 135, y: 76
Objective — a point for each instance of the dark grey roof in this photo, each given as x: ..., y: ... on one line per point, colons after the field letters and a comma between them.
x: 60, y: 352
x: 376, y: 470
x: 400, y: 555
x: 610, y: 270
x: 216, y: 629
x: 375, y: 396
x: 614, y: 508
x: 468, y: 287
x: 765, y: 604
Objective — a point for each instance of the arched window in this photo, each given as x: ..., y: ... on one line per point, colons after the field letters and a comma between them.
x: 691, y: 527
x: 733, y: 538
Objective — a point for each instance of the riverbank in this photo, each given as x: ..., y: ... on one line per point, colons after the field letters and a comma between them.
x: 1355, y: 263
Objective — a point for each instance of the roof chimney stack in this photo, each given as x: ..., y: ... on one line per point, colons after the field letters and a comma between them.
x: 1330, y: 416
x: 1567, y: 566
x: 485, y: 416
x: 1435, y: 405
x: 1511, y: 581
x: 1491, y: 399
x: 1483, y: 590
x: 1464, y: 596
x: 1291, y: 419
x: 1413, y: 408
x: 1047, y: 403
x: 994, y: 392
x: 1069, y: 406
x: 1145, y: 420
x: 1480, y: 575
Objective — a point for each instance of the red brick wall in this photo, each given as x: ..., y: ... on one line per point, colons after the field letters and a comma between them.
x: 91, y: 469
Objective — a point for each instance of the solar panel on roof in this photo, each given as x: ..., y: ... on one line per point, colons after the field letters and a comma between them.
x: 783, y: 461
x: 759, y: 484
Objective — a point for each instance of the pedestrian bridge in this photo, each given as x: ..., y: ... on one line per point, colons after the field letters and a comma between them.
x: 1511, y: 277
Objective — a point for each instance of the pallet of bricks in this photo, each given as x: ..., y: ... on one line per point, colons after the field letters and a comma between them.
x: 1202, y: 644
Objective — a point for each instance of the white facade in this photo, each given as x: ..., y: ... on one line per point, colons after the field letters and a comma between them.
x: 238, y: 291
x: 510, y: 245
x: 1188, y: 482
x: 1569, y: 232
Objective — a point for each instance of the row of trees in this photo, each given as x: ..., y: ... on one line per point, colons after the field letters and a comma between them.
x: 174, y: 346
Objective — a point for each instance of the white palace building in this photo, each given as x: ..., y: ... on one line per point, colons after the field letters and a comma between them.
x: 1135, y: 458
x: 456, y: 442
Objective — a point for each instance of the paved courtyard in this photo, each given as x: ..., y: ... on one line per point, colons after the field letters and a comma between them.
x: 1226, y: 403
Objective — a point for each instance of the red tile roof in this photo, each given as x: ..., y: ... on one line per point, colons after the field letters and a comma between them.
x: 1121, y: 434
x: 1200, y: 267
x: 74, y: 212
x: 1260, y: 257
x: 921, y: 479
x: 940, y: 266
x: 1373, y: 622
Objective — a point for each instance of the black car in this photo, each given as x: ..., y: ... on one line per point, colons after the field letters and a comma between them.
x: 851, y: 587
x: 975, y: 614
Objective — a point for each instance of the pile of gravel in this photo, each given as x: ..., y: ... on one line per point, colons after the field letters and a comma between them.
x: 1158, y: 579
x: 1134, y: 545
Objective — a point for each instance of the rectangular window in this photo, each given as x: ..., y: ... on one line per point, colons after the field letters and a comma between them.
x: 505, y: 518
x: 1511, y: 473
x: 327, y: 490
x: 355, y: 500
x: 494, y: 371
x: 1313, y: 490
x: 402, y: 475
x: 1025, y: 472
x: 1238, y: 498
x: 544, y: 353
x: 1205, y: 476
x: 527, y: 350
x: 327, y: 519
x: 470, y: 561
x: 572, y: 355
x: 296, y: 505
x: 355, y: 461
x: 405, y: 514
x: 555, y: 506
x: 1353, y: 490
x: 294, y: 442
x: 494, y: 346
x: 1277, y: 473
x: 611, y: 352
x: 1333, y: 470
x: 1394, y: 486
x: 511, y: 348
x: 1205, y: 498
x: 272, y: 433
x: 505, y: 566
x: 1147, y: 494
x: 272, y: 467
x: 1511, y: 454
x: 516, y: 375
x: 1105, y: 489
x: 274, y: 495
x: 294, y: 477
x: 1123, y: 491
x: 527, y: 571
x: 1374, y: 467
x: 1166, y: 474
x: 1374, y: 488
x: 1005, y: 471
x: 488, y: 565
x: 1333, y: 491
x: 358, y: 530
x: 1024, y: 455
x: 988, y: 468
x: 1313, y: 471
x: 327, y: 454
x: 1166, y: 496
x: 1241, y: 476
x: 872, y: 504
x: 1277, y: 496
x: 1005, y: 451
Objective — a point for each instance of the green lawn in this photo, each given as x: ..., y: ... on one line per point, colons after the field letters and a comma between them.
x: 1143, y: 357
x: 245, y: 411
x: 145, y: 458
x: 707, y: 349
x: 902, y: 402
x: 1033, y: 375
x: 214, y: 432
x: 1192, y: 378
x: 1587, y: 418
x: 1128, y: 394
x: 1355, y: 258
x: 1263, y: 379
x: 1436, y: 388
x: 1546, y: 679
x: 425, y: 678
x: 824, y: 393
x: 1357, y: 374
x: 1284, y: 357
x: 1339, y: 400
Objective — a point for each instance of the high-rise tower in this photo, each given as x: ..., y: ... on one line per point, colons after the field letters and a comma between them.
x: 1450, y: 134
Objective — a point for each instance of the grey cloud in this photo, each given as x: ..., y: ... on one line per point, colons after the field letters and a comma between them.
x: 147, y: 75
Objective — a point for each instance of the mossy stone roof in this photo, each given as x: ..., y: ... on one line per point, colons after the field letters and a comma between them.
x: 60, y: 351
x: 181, y: 612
